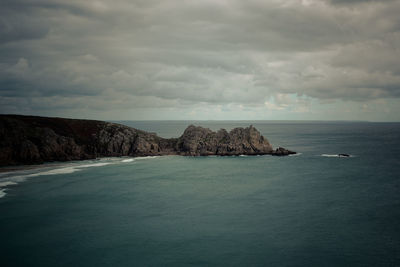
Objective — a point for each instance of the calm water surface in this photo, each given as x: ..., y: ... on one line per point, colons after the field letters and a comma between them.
x: 311, y: 209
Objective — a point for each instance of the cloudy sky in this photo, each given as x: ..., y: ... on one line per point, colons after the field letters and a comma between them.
x: 201, y: 59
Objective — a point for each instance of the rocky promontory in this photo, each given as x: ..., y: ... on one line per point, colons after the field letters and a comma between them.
x: 33, y: 140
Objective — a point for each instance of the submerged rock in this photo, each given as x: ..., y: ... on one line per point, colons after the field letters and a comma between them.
x: 32, y: 140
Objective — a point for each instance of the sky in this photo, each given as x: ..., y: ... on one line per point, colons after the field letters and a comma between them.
x: 201, y: 60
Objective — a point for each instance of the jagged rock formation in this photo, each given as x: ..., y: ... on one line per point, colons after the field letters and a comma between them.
x: 32, y: 140
x: 198, y: 141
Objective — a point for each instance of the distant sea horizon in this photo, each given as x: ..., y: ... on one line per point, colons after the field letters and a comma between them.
x: 195, y: 120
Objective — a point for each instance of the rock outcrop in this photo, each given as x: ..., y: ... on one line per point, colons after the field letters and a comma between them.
x: 280, y: 151
x: 33, y: 140
x: 198, y: 141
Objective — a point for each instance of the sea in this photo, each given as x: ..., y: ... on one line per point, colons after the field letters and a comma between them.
x: 310, y: 209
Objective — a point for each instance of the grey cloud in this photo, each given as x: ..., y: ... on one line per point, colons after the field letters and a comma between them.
x: 172, y: 53
x: 351, y: 2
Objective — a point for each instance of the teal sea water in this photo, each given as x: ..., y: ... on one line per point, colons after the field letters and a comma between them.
x: 312, y: 209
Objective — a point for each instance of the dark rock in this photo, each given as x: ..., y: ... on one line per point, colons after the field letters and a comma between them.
x: 344, y: 155
x: 198, y: 141
x: 280, y: 151
x: 31, y: 140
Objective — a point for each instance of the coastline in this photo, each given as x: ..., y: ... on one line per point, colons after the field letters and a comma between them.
x: 31, y: 140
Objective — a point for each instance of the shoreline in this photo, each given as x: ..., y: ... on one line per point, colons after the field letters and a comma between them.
x: 34, y: 140
x: 26, y: 167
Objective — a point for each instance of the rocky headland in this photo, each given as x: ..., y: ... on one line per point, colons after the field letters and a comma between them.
x: 34, y: 140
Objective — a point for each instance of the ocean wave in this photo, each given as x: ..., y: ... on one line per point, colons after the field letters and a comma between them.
x: 2, y: 193
x: 128, y: 160
x: 330, y: 155
x: 94, y: 165
x: 7, y: 183
x: 55, y: 171
x: 14, y: 180
x: 148, y: 157
x: 295, y: 155
x: 335, y: 156
x: 64, y: 170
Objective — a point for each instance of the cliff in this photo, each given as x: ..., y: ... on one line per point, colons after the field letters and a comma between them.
x: 33, y: 140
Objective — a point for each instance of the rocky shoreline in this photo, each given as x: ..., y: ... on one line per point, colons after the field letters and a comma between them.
x: 35, y: 140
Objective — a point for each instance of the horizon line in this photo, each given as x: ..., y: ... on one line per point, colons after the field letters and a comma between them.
x: 207, y: 120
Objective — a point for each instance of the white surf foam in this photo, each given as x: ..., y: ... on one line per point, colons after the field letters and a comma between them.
x: 55, y: 171
x: 149, y: 157
x: 13, y: 180
x: 128, y: 160
x: 335, y: 156
x: 295, y: 155
x: 7, y: 183
x: 2, y: 193
x: 93, y: 165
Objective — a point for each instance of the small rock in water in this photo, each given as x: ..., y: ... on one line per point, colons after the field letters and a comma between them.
x: 280, y: 151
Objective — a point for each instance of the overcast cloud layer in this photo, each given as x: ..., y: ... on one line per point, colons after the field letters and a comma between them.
x: 211, y: 59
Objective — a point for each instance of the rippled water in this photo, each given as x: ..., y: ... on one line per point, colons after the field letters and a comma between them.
x: 311, y: 209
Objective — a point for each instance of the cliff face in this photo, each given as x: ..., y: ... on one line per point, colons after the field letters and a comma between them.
x: 32, y: 140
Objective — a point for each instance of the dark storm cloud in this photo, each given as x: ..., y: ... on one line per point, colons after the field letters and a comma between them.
x: 116, y: 54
